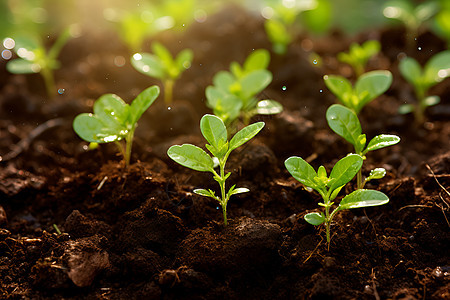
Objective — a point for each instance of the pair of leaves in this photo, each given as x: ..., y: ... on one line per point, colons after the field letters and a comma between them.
x: 368, y: 86
x: 278, y: 35
x: 343, y: 171
x: 259, y: 59
x: 161, y: 64
x: 434, y: 71
x: 113, y: 119
x: 408, y: 13
x: 357, y: 199
x: 345, y: 123
x: 214, y: 131
x: 359, y: 55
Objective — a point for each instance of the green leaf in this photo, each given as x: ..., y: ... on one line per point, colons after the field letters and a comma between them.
x: 162, y: 53
x: 245, y: 134
x: 268, y: 107
x: 345, y: 169
x: 371, y: 85
x: 192, y: 157
x: 254, y: 82
x: 91, y: 129
x: 214, y: 130
x: 206, y: 193
x: 184, y: 59
x: 410, y: 70
x: 381, y: 141
x: 363, y: 198
x: 377, y: 173
x: 431, y: 100
x: 143, y: 102
x: 257, y: 60
x: 340, y: 87
x: 301, y: 171
x: 223, y: 80
x: 226, y: 106
x: 437, y: 68
x: 278, y: 35
x: 22, y: 66
x: 344, y: 122
x: 235, y: 191
x: 112, y: 110
x: 149, y: 65
x: 314, y: 218
x: 406, y: 109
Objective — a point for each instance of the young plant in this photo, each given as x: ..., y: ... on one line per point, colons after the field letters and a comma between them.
x: 233, y: 94
x: 422, y: 79
x: 163, y: 66
x: 34, y: 58
x: 215, y: 133
x: 345, y: 123
x: 367, y: 87
x: 114, y: 120
x: 329, y: 186
x: 358, y: 55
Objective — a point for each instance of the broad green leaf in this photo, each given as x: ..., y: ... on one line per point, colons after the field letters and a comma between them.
x: 381, y: 141
x: 340, y: 87
x: 344, y: 122
x: 149, y: 65
x: 301, y: 171
x: 257, y: 60
x: 192, y: 157
x: 184, y: 59
x: 437, y: 68
x: 314, y: 218
x: 22, y: 66
x: 223, y: 80
x: 245, y: 134
x: 345, y: 169
x: 410, y: 70
x: 268, y: 107
x: 206, y: 193
x: 363, y: 198
x: 254, y: 82
x: 214, y: 130
x: 371, y: 85
x: 142, y: 103
x: 112, y: 110
x: 91, y: 129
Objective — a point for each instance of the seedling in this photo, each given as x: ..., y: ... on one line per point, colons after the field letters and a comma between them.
x: 34, y: 58
x: 233, y: 94
x: 163, y: 66
x: 412, y: 16
x: 345, y: 123
x: 442, y: 22
x: 215, y: 133
x: 329, y: 187
x: 422, y: 79
x: 367, y: 87
x: 358, y: 55
x: 114, y: 120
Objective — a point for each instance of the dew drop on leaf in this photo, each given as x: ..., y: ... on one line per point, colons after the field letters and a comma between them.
x: 284, y: 88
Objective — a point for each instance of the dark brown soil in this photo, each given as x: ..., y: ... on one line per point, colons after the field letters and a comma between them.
x: 140, y: 233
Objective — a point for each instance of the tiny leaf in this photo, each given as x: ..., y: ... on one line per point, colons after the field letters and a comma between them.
x: 203, y: 192
x: 363, y: 198
x: 344, y: 122
x: 377, y: 173
x: 245, y: 134
x: 268, y: 107
x: 214, y: 130
x: 345, y: 169
x: 238, y: 191
x: 301, y: 171
x: 22, y: 66
x: 410, y: 70
x: 340, y: 87
x: 192, y: 157
x: 257, y: 60
x: 371, y: 85
x: 314, y: 218
x: 149, y: 65
x: 381, y: 141
x: 143, y: 102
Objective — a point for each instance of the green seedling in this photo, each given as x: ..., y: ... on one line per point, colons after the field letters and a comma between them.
x: 345, y: 123
x: 163, y: 66
x: 329, y: 187
x: 215, y: 133
x: 233, y: 94
x: 442, y: 22
x: 412, y: 16
x: 422, y: 79
x: 358, y: 55
x: 34, y: 58
x: 367, y: 87
x: 114, y: 120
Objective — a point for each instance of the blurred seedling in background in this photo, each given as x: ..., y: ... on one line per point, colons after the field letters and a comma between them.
x: 163, y: 66
x: 441, y: 22
x: 358, y: 55
x: 412, y: 16
x: 214, y: 131
x: 329, y: 187
x: 233, y: 93
x: 422, y: 79
x: 114, y: 120
x: 345, y: 123
x: 368, y: 86
x: 33, y: 57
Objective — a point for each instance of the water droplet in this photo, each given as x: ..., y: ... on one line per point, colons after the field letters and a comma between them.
x: 217, y: 207
x: 320, y: 91
x: 284, y: 88
x: 169, y: 108
x: 419, y: 48
x: 315, y: 61
x: 137, y: 56
x: 6, y: 54
x: 9, y: 43
x: 61, y: 91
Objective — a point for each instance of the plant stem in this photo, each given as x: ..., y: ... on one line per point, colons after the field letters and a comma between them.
x: 168, y: 91
x: 359, y: 181
x: 223, y: 193
x: 49, y: 82
x: 129, y: 143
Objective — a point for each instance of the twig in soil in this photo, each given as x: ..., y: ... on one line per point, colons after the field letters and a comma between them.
x: 412, y: 206
x: 102, y: 183
x: 374, y: 286
x: 437, y: 181
x: 57, y: 229
x: 25, y: 143
x: 313, y: 251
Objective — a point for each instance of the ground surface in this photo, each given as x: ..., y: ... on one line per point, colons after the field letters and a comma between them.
x: 140, y: 233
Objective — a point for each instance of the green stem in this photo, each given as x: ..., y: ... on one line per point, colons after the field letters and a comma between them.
x: 49, y: 82
x: 129, y: 143
x: 223, y: 193
x: 168, y: 91
x: 359, y: 181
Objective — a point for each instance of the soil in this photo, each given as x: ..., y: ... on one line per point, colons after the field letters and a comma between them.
x: 140, y: 232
